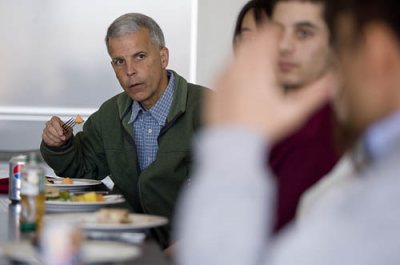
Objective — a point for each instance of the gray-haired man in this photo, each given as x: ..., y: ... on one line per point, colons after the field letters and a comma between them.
x: 141, y: 137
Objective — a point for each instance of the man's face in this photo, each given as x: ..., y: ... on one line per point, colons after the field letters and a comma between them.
x: 304, y: 52
x: 140, y: 66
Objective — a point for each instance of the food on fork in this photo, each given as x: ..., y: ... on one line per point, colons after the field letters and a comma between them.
x: 67, y: 180
x: 113, y: 216
x: 69, y: 124
x: 78, y: 119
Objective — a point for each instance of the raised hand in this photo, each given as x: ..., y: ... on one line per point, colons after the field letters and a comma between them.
x: 54, y: 134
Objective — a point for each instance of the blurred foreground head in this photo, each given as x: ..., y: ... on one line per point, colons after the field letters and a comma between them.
x: 363, y: 13
x: 366, y: 37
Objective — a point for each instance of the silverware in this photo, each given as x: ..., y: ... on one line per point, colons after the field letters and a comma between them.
x: 69, y: 124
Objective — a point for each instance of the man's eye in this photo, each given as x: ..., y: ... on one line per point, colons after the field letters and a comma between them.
x: 304, y: 34
x: 141, y: 56
x: 119, y: 61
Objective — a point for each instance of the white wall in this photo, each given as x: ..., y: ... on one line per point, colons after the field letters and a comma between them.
x: 54, y: 60
x: 54, y: 49
x: 216, y: 22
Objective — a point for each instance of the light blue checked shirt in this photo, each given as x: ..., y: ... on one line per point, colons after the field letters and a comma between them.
x: 147, y: 124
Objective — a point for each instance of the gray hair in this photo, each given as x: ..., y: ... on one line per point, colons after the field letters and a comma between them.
x: 133, y: 22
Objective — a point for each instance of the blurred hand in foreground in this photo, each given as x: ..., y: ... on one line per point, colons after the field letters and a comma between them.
x: 248, y: 94
x: 54, y: 135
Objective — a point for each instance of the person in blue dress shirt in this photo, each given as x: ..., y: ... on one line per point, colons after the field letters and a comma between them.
x: 357, y: 224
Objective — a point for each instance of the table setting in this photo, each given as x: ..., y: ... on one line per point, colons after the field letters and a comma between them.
x: 91, y: 252
x: 125, y: 241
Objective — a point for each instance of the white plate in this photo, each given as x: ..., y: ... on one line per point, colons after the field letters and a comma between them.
x: 88, y: 221
x: 92, y: 252
x: 77, y: 185
x: 68, y: 206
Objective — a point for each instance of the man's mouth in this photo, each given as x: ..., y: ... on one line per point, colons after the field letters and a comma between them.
x: 287, y: 66
x: 135, y: 85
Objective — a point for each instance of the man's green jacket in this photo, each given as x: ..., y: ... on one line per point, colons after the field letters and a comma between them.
x: 105, y: 147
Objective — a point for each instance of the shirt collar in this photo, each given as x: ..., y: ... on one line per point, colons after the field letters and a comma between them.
x: 161, y: 109
x: 382, y: 137
x: 136, y: 108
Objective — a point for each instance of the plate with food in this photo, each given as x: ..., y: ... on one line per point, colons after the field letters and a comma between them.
x: 111, y: 219
x: 65, y: 201
x: 71, y: 184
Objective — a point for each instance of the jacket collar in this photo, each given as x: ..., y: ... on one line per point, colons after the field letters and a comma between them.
x: 180, y: 98
x: 178, y: 106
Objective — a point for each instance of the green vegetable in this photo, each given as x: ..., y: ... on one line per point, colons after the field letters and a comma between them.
x: 65, y: 196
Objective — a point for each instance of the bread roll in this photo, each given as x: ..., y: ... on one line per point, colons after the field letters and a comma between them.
x: 113, y: 216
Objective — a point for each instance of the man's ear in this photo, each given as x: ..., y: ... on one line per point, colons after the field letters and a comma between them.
x: 382, y: 49
x: 164, y: 54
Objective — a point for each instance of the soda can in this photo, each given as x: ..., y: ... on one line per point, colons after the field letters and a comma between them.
x: 14, y: 215
x: 14, y: 183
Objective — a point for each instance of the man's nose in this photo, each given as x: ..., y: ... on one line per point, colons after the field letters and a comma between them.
x: 130, y: 68
x: 286, y: 45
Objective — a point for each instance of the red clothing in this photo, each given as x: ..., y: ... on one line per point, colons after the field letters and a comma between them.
x: 301, y: 160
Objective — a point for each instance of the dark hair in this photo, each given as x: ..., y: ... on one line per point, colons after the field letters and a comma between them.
x: 274, y: 2
x: 364, y: 12
x: 258, y: 7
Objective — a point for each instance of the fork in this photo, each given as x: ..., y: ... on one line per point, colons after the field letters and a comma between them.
x: 69, y: 124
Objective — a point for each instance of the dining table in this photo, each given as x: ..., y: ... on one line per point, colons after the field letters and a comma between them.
x: 150, y: 252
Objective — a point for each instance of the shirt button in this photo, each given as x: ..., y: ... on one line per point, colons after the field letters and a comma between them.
x: 149, y: 130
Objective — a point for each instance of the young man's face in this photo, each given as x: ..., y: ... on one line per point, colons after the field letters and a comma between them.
x: 304, y: 51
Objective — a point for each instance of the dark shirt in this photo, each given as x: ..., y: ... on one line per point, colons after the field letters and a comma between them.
x: 300, y: 160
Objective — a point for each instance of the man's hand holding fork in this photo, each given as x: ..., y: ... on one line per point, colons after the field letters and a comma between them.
x: 57, y: 133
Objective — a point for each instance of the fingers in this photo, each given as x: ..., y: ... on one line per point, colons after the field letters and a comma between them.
x: 299, y: 104
x: 319, y: 92
x: 257, y: 60
x: 309, y: 98
x: 247, y: 84
x: 53, y: 134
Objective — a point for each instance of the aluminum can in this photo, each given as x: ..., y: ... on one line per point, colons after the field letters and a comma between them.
x: 14, y: 215
x: 14, y: 183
